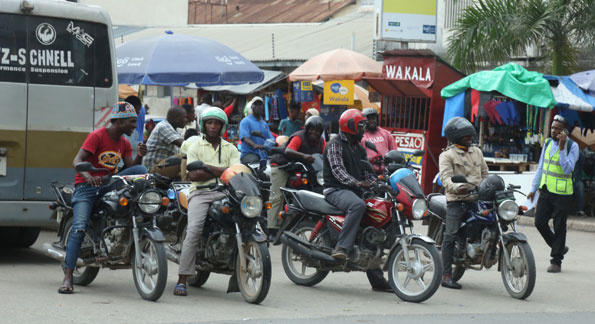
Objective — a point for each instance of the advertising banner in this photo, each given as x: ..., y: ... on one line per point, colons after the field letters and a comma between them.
x: 420, y: 71
x: 406, y: 20
x: 338, y: 92
x: 302, y: 91
x: 408, y: 143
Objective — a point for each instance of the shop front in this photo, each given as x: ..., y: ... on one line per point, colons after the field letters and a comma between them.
x: 412, y: 108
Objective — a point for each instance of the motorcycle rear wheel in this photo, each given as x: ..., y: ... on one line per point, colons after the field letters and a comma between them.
x: 458, y: 272
x: 150, y: 277
x: 254, y: 280
x: 299, y: 275
x: 425, y: 264
x: 520, y: 279
x: 199, y: 279
x: 81, y: 276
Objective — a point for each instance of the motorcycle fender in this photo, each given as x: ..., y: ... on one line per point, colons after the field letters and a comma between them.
x: 514, y: 237
x: 154, y: 233
x: 61, y: 228
x: 257, y: 237
x: 410, y: 238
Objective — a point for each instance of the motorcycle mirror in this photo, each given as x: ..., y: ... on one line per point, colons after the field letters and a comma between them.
x: 196, y: 165
x: 172, y: 160
x: 459, y: 178
x: 256, y: 133
x: 367, y: 166
x: 371, y: 146
x: 418, y: 153
x: 86, y: 167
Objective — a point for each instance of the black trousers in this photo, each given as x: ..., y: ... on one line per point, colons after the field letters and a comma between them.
x: 455, y: 210
x: 554, y: 206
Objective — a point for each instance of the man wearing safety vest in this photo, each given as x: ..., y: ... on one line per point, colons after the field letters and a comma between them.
x: 553, y: 178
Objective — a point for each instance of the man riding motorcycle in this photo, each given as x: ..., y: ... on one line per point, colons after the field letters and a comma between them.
x: 464, y: 159
x: 217, y: 154
x: 300, y: 147
x: 382, y: 138
x: 343, y: 178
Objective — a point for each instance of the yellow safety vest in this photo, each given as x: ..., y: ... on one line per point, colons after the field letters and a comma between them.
x: 552, y: 174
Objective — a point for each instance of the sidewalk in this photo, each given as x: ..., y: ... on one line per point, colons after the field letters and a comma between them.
x: 584, y: 224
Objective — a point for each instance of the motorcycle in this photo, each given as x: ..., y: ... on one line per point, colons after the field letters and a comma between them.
x: 233, y: 241
x: 311, y: 227
x: 121, y: 233
x: 485, y: 239
x: 306, y: 176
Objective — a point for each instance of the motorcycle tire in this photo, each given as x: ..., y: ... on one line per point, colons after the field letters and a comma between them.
x: 81, y: 276
x: 457, y: 272
x: 520, y: 280
x: 254, y: 283
x: 435, y: 231
x: 303, y: 229
x: 199, y: 279
x: 418, y: 272
x: 150, y: 284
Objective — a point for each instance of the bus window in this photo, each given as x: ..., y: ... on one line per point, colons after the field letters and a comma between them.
x: 13, y: 52
x: 103, y: 59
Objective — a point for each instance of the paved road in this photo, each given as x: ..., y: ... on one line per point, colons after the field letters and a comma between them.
x: 29, y: 280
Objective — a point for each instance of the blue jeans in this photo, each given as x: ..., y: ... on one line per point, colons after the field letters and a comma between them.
x: 83, y: 200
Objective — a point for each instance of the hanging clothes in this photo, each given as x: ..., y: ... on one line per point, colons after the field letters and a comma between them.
x: 281, y: 104
x: 493, y: 115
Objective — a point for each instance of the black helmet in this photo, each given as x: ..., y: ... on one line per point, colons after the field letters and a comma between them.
x: 394, y: 156
x: 316, y: 122
x: 488, y: 187
x: 458, y: 127
x: 369, y: 111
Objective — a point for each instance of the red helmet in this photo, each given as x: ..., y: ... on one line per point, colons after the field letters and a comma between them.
x: 349, y: 120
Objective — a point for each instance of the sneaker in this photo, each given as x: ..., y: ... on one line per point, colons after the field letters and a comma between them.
x: 554, y: 268
x: 566, y: 250
x: 581, y: 214
x: 339, y: 253
x: 449, y: 283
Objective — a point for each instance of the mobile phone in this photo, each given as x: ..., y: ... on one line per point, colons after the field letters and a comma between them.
x: 565, y: 131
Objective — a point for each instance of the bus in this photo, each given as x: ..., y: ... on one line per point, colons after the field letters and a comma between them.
x: 57, y: 81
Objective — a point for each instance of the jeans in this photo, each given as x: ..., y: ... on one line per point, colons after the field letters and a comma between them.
x: 455, y: 210
x: 553, y: 206
x: 82, y: 201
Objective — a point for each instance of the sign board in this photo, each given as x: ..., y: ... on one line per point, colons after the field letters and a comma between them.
x: 338, y: 92
x: 405, y: 20
x: 408, y: 143
x: 302, y: 91
x: 420, y: 71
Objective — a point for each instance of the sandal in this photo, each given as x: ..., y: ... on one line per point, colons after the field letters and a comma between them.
x: 180, y: 290
x: 65, y: 290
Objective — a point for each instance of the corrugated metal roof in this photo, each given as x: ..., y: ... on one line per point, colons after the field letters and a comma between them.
x: 295, y: 41
x: 263, y: 11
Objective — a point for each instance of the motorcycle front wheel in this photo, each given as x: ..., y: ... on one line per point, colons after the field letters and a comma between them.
x: 519, y: 279
x: 420, y: 279
x: 254, y: 277
x: 150, y: 276
x: 293, y: 265
x: 81, y: 276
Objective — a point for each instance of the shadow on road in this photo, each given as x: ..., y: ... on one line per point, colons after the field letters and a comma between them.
x: 15, y: 256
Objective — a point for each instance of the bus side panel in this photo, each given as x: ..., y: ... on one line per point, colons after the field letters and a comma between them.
x: 13, y: 114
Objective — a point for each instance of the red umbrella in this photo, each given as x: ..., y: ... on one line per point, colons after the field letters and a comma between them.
x: 339, y: 64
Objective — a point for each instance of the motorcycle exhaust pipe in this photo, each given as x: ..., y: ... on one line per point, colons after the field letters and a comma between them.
x: 58, y: 254
x: 302, y: 247
x: 172, y: 255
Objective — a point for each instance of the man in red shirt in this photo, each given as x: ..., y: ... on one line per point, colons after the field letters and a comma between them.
x: 382, y: 138
x: 104, y: 148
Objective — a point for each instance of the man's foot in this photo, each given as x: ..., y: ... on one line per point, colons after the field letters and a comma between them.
x: 448, y: 282
x: 554, y: 268
x: 339, y: 253
x: 180, y: 290
x: 67, y: 283
x: 383, y: 288
x: 581, y: 214
x: 566, y: 250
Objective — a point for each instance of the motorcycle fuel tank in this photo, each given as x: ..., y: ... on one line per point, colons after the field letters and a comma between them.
x: 378, y: 212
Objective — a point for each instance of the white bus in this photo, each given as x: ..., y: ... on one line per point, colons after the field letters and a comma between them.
x: 57, y: 76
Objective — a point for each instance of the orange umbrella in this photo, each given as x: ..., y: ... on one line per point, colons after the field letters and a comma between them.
x: 339, y: 64
x: 125, y: 90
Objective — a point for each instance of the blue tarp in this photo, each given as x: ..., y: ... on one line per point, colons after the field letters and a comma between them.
x: 569, y: 95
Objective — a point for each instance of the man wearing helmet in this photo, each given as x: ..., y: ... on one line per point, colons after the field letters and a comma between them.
x: 217, y: 155
x: 460, y: 157
x: 300, y: 147
x: 553, y: 179
x: 343, y: 180
x: 104, y: 148
x: 382, y: 138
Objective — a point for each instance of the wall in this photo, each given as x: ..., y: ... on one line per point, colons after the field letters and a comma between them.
x: 144, y: 12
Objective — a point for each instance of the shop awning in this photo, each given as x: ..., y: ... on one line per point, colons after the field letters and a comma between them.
x: 569, y: 95
x: 397, y: 88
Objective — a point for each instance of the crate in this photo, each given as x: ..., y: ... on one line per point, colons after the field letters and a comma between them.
x: 518, y: 157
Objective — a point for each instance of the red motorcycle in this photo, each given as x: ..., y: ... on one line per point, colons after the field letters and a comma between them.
x: 311, y: 227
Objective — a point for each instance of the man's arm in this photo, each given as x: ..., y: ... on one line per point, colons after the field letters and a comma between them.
x: 539, y: 171
x: 568, y: 161
x: 447, y: 172
x: 81, y: 156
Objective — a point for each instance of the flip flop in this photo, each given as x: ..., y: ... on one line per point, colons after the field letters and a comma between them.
x: 180, y: 290
x: 65, y: 290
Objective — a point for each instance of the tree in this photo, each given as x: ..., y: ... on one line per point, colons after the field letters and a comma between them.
x: 492, y: 31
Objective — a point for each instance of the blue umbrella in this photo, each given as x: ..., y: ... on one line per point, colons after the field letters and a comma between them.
x: 178, y: 60
x: 585, y: 80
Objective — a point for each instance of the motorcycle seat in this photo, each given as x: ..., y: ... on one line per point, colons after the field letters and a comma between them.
x: 437, y: 204
x: 317, y: 203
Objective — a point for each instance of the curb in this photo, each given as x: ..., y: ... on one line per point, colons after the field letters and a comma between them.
x: 582, y: 225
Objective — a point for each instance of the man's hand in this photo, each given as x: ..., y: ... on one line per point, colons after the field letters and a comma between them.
x: 309, y: 158
x: 364, y: 184
x: 91, y: 180
x: 531, y: 196
x: 562, y: 137
x: 142, y: 149
x: 259, y: 147
x: 462, y: 190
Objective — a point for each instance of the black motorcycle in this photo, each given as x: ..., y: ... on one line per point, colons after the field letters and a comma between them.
x: 233, y: 242
x: 488, y: 235
x: 121, y: 233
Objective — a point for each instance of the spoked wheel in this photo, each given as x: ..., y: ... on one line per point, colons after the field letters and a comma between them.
x: 294, y: 265
x: 254, y: 277
x: 519, y: 278
x: 81, y: 276
x: 420, y: 279
x: 150, y: 276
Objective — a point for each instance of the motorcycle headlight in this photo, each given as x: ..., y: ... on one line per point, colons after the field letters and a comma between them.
x: 149, y: 202
x: 320, y: 178
x: 251, y: 206
x: 508, y: 210
x: 418, y: 208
